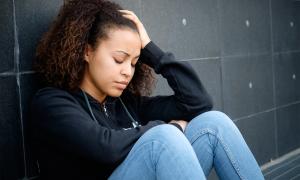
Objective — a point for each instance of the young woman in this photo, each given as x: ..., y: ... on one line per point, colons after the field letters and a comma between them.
x: 95, y: 119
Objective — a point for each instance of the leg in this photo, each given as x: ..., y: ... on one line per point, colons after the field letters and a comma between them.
x: 163, y: 152
x: 218, y: 142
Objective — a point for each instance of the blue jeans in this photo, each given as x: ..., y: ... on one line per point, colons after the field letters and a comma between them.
x: 210, y: 140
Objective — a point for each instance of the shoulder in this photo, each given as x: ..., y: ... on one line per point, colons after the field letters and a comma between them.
x: 49, y: 90
x: 50, y: 95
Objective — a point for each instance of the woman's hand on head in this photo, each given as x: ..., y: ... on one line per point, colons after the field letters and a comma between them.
x: 181, y: 123
x: 142, y: 31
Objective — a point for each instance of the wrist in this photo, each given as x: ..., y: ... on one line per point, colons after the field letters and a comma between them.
x: 143, y: 35
x: 145, y: 41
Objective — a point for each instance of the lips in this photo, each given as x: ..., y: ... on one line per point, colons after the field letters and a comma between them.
x: 123, y: 82
x: 121, y: 85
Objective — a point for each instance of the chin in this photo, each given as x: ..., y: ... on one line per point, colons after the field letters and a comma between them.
x: 115, y: 93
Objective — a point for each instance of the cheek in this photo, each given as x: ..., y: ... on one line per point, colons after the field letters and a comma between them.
x: 101, y: 70
x: 103, y: 63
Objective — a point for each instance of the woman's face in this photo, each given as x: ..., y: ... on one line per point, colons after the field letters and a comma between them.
x: 111, y: 65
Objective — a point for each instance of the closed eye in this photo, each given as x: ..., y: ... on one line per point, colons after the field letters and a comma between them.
x: 118, y: 61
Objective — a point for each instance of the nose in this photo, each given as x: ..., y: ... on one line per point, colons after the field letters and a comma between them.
x: 126, y: 69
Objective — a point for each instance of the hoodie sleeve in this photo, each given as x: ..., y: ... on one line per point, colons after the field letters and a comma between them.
x: 60, y: 121
x: 190, y: 97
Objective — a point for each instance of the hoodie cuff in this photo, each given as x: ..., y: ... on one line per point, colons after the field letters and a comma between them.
x: 151, y: 55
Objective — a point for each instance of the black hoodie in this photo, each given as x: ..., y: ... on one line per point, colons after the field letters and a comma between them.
x: 69, y: 144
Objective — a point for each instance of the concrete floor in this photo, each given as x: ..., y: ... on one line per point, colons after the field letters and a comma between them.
x: 286, y: 167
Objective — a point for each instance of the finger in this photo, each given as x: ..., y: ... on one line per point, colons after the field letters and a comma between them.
x: 125, y: 11
x: 130, y: 17
x: 128, y: 12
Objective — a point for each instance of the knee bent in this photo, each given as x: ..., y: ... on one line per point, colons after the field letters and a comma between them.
x: 212, y: 119
x: 165, y: 134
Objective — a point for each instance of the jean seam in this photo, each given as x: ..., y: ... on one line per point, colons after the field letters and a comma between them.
x: 157, y: 160
x: 225, y: 147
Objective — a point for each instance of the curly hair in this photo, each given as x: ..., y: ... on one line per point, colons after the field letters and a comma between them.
x: 59, y: 58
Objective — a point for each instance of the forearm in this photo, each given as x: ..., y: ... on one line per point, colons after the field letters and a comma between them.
x: 190, y: 98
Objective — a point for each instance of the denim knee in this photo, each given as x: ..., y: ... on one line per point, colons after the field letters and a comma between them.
x: 165, y: 133
x: 163, y: 152
x: 213, y: 120
x: 166, y: 136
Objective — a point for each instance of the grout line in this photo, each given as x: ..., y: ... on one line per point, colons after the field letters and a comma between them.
x: 222, y: 86
x: 254, y: 114
x: 281, y: 160
x: 10, y: 73
x: 273, y: 76
x: 287, y: 52
x: 276, y: 131
x: 268, y: 110
x: 248, y: 55
x: 282, y: 165
x: 17, y: 69
x: 220, y: 32
x: 286, y: 105
x: 16, y: 42
x: 200, y: 59
x: 7, y: 74
x: 288, y: 171
x: 230, y: 56
x: 220, y: 39
x: 140, y: 8
x: 26, y: 72
x: 298, y: 175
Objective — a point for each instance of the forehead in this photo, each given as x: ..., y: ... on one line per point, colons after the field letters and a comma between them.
x: 123, y: 39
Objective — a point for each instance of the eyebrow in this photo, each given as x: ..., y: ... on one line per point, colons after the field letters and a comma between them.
x: 126, y: 53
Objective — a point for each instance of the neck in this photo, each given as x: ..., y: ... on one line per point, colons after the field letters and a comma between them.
x: 88, y: 87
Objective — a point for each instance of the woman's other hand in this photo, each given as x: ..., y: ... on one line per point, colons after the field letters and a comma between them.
x: 181, y: 123
x: 142, y: 31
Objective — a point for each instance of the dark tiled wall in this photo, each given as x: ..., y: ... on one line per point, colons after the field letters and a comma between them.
x: 246, y: 52
x: 22, y: 23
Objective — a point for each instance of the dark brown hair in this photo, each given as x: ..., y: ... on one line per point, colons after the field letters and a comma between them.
x: 60, y: 53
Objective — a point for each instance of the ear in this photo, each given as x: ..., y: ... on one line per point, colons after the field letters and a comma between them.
x: 88, y: 52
